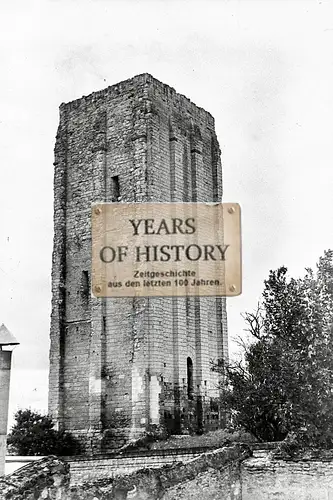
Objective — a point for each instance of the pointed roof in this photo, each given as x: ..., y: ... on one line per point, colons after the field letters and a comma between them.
x: 7, y: 338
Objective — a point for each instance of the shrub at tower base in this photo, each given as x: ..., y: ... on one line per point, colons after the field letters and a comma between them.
x: 282, y: 388
x: 34, y: 434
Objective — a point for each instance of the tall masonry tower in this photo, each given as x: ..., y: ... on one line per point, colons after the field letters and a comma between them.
x: 121, y: 367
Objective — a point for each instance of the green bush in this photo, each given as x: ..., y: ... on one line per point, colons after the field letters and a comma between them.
x: 283, y: 386
x: 34, y: 434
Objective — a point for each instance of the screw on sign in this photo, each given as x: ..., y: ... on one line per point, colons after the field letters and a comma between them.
x: 166, y: 249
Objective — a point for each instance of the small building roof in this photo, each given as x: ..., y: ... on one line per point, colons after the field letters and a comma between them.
x: 6, y: 337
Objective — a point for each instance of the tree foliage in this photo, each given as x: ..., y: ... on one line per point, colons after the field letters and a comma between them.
x: 34, y: 434
x: 284, y: 385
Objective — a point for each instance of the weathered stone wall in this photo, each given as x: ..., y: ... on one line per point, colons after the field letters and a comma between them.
x: 84, y: 469
x: 184, y: 134
x: 304, y: 478
x: 214, y: 475
x: 109, y: 379
x: 224, y: 474
x: 45, y: 479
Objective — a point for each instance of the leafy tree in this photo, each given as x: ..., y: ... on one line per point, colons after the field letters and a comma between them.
x: 284, y: 384
x: 34, y: 434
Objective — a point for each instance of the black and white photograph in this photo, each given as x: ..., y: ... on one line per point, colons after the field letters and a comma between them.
x: 166, y: 250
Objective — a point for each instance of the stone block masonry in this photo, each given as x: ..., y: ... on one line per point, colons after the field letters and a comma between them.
x: 213, y: 475
x: 302, y: 478
x: 90, y: 469
x: 121, y: 367
x: 223, y: 474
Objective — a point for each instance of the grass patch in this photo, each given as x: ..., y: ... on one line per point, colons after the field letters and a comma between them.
x: 212, y: 439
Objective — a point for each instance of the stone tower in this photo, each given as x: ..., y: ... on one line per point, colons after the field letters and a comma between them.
x: 120, y: 367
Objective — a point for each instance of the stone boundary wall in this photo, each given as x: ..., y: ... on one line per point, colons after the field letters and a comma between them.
x: 42, y: 479
x: 212, y: 475
x: 90, y: 469
x: 15, y: 462
x: 306, y: 477
x: 230, y: 473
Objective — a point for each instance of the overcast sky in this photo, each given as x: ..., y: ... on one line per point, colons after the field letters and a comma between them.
x: 264, y: 69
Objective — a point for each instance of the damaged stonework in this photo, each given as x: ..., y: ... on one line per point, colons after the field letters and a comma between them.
x: 137, y: 141
x: 208, y: 475
x: 229, y: 473
x: 44, y: 479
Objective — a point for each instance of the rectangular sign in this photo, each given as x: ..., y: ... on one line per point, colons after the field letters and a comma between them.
x: 166, y: 249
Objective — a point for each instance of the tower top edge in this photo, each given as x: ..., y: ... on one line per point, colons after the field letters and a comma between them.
x: 129, y: 85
